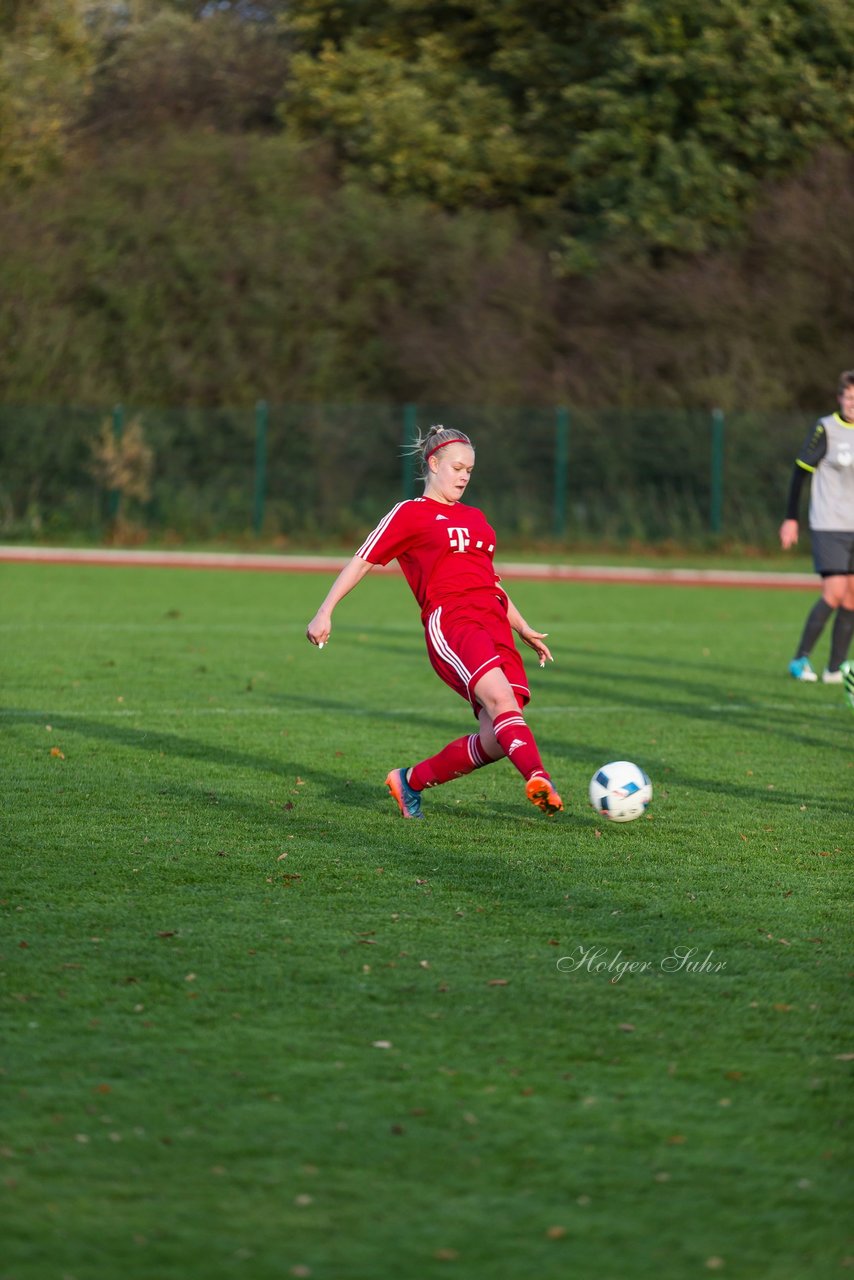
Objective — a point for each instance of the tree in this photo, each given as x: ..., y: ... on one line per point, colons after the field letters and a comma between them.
x: 456, y: 101
x: 419, y: 127
x: 700, y: 102
x: 643, y: 123
x: 175, y: 70
x: 46, y: 63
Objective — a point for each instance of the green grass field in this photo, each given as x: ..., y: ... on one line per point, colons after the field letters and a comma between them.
x: 254, y: 1025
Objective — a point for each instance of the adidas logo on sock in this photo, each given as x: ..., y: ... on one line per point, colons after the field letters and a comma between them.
x: 517, y: 742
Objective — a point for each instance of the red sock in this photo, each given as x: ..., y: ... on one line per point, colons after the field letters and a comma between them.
x: 519, y: 744
x: 453, y: 761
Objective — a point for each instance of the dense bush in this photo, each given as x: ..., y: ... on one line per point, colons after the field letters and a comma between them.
x: 202, y: 268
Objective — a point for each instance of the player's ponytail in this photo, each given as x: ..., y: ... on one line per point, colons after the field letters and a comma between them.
x: 424, y: 446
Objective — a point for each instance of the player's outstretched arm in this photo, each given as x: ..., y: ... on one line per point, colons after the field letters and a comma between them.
x: 320, y: 627
x: 536, y: 639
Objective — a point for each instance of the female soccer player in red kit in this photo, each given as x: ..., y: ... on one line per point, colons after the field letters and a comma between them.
x: 445, y: 550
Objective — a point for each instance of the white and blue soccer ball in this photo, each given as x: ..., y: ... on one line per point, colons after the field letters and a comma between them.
x: 620, y: 791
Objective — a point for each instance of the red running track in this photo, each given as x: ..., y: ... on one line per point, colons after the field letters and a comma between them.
x: 331, y: 564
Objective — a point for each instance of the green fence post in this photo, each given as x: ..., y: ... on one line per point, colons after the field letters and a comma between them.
x: 717, y: 495
x: 407, y: 471
x: 261, y: 419
x: 561, y: 469
x: 114, y: 496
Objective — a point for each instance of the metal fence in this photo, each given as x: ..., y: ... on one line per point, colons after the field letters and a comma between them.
x: 323, y: 472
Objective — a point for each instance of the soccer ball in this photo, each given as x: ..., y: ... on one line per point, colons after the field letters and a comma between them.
x: 620, y: 791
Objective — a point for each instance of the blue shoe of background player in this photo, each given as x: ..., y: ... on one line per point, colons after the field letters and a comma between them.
x: 408, y: 800
x: 800, y: 668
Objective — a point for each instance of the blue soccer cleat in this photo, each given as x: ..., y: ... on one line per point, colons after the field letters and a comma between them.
x: 408, y: 799
x: 801, y: 670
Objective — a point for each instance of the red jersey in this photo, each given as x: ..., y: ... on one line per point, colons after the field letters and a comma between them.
x: 445, y: 552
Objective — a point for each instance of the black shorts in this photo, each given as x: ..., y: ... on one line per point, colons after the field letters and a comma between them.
x: 832, y: 552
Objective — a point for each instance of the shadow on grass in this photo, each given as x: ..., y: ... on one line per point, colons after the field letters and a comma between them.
x: 644, y: 695
x: 335, y: 789
x: 205, y: 753
x: 706, y: 701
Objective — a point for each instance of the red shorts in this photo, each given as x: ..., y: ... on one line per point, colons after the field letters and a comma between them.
x: 464, y: 643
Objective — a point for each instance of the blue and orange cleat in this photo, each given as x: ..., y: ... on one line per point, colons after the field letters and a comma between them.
x: 541, y: 793
x: 408, y: 799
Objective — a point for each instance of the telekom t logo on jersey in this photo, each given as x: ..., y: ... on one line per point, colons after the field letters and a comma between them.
x: 459, y: 538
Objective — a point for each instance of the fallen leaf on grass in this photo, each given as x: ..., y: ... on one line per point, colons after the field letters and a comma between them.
x: 381, y: 1044
x: 556, y: 1233
x: 498, y: 982
x: 57, y: 754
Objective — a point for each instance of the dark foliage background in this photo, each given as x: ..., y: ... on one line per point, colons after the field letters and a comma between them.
x: 626, y: 205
